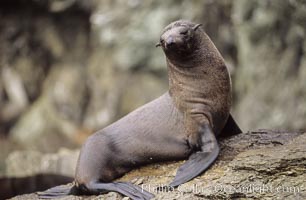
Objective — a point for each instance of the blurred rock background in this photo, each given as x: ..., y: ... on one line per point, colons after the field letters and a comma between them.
x: 70, y: 67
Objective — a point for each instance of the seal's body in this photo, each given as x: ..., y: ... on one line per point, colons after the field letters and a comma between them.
x: 134, y: 140
x: 180, y: 124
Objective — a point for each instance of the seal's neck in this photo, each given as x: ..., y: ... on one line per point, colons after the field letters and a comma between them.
x: 193, y: 77
x: 185, y: 79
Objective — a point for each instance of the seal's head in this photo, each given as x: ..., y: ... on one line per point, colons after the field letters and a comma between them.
x: 179, y: 39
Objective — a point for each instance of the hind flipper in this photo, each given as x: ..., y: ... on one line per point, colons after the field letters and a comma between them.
x: 55, y: 192
x: 199, y: 161
x: 127, y: 189
x: 230, y: 128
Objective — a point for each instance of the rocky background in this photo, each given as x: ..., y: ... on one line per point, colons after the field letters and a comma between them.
x: 70, y: 67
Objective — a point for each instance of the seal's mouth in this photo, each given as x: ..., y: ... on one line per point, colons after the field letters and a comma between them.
x: 174, y: 43
x: 170, y: 43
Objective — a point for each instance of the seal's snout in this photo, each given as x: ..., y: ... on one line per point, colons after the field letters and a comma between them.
x: 169, y: 42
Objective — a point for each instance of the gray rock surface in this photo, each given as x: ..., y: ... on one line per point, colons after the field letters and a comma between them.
x: 27, y: 163
x: 270, y: 79
x: 262, y: 164
x: 54, y: 120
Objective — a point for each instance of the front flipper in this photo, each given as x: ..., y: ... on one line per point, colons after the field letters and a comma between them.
x: 199, y: 161
x: 127, y: 189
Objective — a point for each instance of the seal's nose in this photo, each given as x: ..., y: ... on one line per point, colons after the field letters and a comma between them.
x: 169, y: 41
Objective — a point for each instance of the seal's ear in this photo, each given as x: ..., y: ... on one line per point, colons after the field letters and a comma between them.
x: 157, y: 44
x: 196, y: 26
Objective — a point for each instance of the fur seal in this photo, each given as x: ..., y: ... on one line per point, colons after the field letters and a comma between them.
x: 184, y: 121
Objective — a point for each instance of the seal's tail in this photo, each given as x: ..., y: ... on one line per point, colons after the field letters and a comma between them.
x: 57, y: 192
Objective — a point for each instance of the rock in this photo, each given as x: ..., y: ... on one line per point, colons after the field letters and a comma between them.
x: 270, y: 172
x: 142, y: 87
x: 7, y: 147
x: 261, y: 164
x: 105, y: 86
x: 272, y: 64
x: 27, y: 163
x: 130, y: 29
x: 56, y: 115
x: 35, y: 43
x: 15, y: 91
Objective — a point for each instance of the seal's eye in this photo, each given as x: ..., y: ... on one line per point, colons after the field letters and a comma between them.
x: 184, y: 32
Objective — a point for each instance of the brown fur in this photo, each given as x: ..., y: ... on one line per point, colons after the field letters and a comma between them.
x: 199, y: 83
